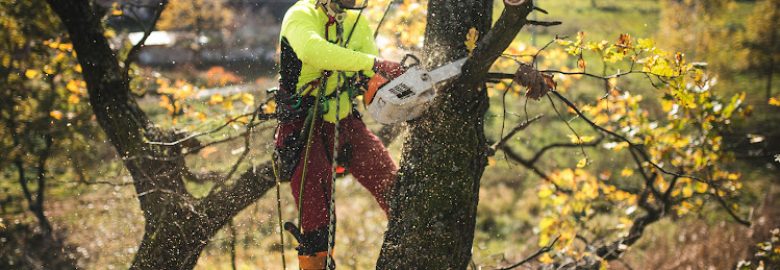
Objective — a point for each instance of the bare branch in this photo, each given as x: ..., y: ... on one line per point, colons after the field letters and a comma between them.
x: 247, y: 147
x: 514, y: 156
x: 131, y: 55
x: 523, y: 125
x: 548, y: 147
x: 542, y: 23
x: 533, y: 256
x: 723, y: 203
x: 255, y: 115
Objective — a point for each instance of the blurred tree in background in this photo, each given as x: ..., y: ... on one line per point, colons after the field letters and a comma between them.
x: 763, y: 41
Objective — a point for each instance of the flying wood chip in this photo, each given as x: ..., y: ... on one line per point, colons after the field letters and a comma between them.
x: 536, y: 82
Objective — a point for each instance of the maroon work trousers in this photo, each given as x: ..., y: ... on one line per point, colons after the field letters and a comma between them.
x: 368, y: 161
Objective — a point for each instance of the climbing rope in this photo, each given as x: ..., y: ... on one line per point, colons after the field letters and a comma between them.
x: 382, y: 20
x: 279, y: 205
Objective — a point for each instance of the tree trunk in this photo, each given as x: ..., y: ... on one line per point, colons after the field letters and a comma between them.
x: 436, y: 193
x: 434, y: 201
x: 177, y: 225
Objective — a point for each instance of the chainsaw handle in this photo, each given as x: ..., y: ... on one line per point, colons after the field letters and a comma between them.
x: 407, y: 57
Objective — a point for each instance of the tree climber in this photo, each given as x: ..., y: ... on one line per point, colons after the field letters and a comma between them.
x: 328, y: 57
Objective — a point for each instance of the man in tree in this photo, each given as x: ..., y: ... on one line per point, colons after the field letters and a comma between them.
x: 328, y: 55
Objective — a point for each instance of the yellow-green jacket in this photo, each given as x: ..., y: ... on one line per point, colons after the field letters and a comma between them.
x: 305, y: 53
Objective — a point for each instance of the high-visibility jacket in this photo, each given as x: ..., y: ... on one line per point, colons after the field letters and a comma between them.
x: 305, y: 53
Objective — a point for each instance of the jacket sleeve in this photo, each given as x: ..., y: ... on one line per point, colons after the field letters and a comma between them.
x: 364, y: 37
x: 301, y: 31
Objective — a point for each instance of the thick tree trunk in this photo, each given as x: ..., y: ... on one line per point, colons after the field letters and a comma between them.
x: 433, y: 210
x: 435, y: 198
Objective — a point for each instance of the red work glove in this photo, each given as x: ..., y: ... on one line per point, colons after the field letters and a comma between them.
x: 384, y: 71
x: 388, y: 69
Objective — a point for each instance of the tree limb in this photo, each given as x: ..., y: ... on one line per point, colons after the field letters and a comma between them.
x: 523, y: 125
x: 533, y: 256
x: 131, y: 55
x: 489, y: 48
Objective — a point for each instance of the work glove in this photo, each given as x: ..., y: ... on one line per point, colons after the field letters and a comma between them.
x: 384, y: 72
x: 388, y: 69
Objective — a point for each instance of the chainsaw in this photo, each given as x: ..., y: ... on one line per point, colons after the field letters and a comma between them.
x: 409, y: 95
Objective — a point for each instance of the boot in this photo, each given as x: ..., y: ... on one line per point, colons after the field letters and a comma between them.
x: 313, y: 262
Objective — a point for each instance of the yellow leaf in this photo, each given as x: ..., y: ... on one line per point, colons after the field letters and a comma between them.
x: 581, y: 139
x: 77, y: 68
x: 56, y: 114
x: 626, y: 172
x: 73, y: 99
x: 6, y: 60
x: 471, y: 39
x: 31, y: 73
x: 700, y: 187
x: 581, y: 63
x: 48, y: 69
x: 545, y: 258
x: 774, y: 102
x: 228, y: 104
x: 545, y: 192
x: 687, y: 191
x: 582, y: 163
x: 67, y: 47
x: 545, y: 223
x: 248, y: 99
x: 201, y: 116
x: 216, y: 99
x: 72, y: 86
x: 269, y: 107
x: 116, y: 9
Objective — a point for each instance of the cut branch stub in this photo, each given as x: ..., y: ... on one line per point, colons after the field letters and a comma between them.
x: 538, y: 83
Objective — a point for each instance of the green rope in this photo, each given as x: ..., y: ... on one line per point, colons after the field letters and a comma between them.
x: 308, y: 130
x: 279, y: 207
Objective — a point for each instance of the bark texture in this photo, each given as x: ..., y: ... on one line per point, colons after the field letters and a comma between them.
x: 433, y: 210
